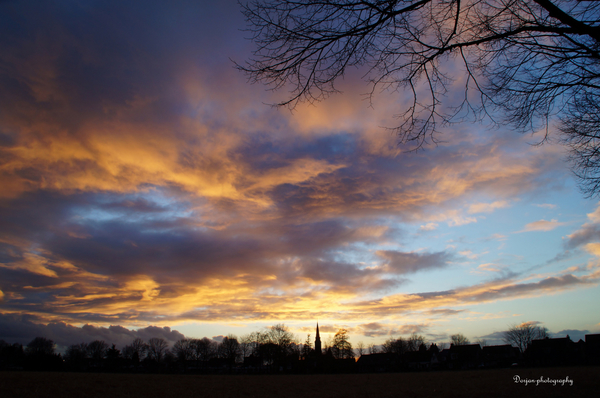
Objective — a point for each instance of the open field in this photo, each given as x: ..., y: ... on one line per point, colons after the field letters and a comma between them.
x: 483, y: 383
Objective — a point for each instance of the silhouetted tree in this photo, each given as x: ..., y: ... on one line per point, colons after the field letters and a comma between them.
x: 360, y: 349
x: 520, y: 336
x: 581, y: 133
x: 281, y: 336
x: 295, y: 350
x: 394, y: 346
x: 246, y: 345
x: 229, y: 349
x: 113, y: 353
x: 341, y: 347
x: 459, y: 339
x: 183, y: 350
x: 204, y: 349
x: 169, y: 358
x: 128, y: 353
x: 269, y: 354
x: 274, y: 346
x: 11, y: 355
x: 531, y: 59
x: 40, y: 355
x: 157, y: 348
x: 40, y: 346
x: 254, y: 340
x: 373, y: 349
x: 136, y: 351
x: 97, y: 350
x: 76, y: 356
x: 307, y: 347
x: 415, y: 341
x: 114, y: 358
x: 442, y: 345
x: 283, y: 341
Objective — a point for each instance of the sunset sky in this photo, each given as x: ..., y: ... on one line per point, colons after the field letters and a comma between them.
x: 144, y: 184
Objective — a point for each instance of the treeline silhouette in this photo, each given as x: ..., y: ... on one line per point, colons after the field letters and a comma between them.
x: 276, y: 350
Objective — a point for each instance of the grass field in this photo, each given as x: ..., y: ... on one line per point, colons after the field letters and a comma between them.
x: 482, y: 383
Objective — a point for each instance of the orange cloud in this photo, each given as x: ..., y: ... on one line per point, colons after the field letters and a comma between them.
x: 141, y: 184
x: 542, y: 225
x: 487, y: 207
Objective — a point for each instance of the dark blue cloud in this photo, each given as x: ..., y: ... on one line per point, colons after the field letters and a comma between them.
x: 100, y: 58
x: 574, y: 334
x: 24, y: 328
x: 408, y: 263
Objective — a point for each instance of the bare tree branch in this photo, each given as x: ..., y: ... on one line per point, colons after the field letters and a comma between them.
x: 533, y: 60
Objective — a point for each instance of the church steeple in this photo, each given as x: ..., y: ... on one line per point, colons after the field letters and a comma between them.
x: 318, y: 342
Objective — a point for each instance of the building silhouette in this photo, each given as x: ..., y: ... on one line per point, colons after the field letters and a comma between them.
x: 318, y: 342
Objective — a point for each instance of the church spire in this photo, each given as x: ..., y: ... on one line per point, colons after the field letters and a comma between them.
x: 318, y: 342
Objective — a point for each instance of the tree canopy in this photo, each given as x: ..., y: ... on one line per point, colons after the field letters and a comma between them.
x: 521, y: 336
x: 536, y: 61
x: 459, y: 339
x: 342, y: 348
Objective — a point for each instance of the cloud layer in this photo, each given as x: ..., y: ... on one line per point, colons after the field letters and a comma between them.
x: 145, y: 183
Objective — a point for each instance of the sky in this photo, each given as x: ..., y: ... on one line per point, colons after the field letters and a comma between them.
x: 147, y: 189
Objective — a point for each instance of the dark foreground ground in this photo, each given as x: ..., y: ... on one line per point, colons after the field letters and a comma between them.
x: 482, y: 383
